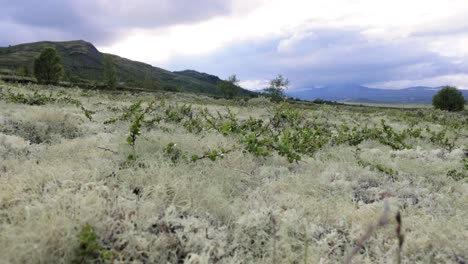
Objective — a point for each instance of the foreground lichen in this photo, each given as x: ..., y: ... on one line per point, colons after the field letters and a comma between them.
x: 66, y: 180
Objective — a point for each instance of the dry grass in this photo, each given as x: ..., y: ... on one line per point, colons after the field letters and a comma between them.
x: 57, y: 175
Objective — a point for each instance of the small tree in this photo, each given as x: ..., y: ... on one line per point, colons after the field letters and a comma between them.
x: 110, y: 77
x: 277, y: 88
x: 229, y: 88
x: 48, y: 67
x: 449, y: 98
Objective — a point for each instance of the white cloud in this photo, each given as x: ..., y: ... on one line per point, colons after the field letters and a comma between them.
x: 375, y: 19
x: 289, y: 44
x: 254, y: 85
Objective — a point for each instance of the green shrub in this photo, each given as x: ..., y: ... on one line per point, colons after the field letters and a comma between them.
x: 173, y: 152
x: 90, y: 250
x: 449, y: 98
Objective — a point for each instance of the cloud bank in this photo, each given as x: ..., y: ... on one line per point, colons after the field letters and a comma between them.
x: 100, y: 21
x: 322, y: 57
x: 378, y: 43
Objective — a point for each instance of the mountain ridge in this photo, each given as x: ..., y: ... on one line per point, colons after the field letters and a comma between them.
x: 83, y: 61
x: 363, y: 94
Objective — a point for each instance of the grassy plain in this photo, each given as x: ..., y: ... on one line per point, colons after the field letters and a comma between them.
x: 75, y: 187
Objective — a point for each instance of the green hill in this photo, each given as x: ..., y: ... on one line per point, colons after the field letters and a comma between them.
x: 82, y: 61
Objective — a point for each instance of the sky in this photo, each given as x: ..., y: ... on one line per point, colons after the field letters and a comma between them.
x: 314, y: 43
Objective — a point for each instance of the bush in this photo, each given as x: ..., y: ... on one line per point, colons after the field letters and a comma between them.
x: 277, y: 88
x: 48, y: 67
x: 449, y: 98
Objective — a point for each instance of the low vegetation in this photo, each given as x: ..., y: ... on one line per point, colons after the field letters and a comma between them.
x: 92, y: 176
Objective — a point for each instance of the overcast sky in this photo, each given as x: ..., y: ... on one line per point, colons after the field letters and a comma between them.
x: 378, y: 43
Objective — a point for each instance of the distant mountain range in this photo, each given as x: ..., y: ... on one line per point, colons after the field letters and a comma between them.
x: 82, y: 60
x: 357, y: 93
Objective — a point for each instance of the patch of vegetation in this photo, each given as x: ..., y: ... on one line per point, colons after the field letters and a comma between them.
x: 325, y: 102
x: 287, y: 133
x: 90, y: 249
x: 374, y: 167
x: 460, y: 174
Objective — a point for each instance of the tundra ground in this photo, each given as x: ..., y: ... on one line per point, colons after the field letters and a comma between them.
x: 82, y: 180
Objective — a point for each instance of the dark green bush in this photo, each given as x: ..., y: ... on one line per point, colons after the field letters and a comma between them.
x: 449, y: 98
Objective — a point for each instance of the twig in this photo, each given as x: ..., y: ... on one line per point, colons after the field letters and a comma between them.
x: 106, y: 149
x: 401, y: 237
x: 209, y: 155
x: 273, y: 227
x: 383, y: 220
x: 333, y: 249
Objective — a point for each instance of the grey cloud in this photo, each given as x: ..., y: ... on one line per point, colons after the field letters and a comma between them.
x: 326, y: 57
x: 44, y: 13
x: 100, y: 21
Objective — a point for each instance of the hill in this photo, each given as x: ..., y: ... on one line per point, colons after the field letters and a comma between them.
x: 82, y: 60
x: 208, y: 78
x: 357, y: 93
x: 200, y: 76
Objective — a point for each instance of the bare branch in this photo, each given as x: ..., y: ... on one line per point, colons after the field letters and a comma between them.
x: 401, y: 237
x: 383, y: 220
